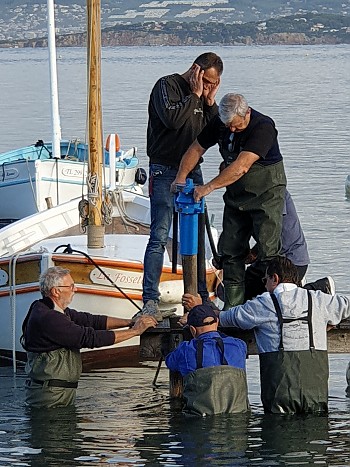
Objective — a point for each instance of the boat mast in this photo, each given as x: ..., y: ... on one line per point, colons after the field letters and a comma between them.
x: 55, y: 116
x: 95, y: 229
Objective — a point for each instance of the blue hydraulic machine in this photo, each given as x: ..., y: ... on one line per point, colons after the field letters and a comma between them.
x: 188, y: 211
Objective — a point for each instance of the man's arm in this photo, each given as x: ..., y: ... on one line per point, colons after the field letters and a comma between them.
x: 188, y: 162
x: 172, y: 107
x: 229, y: 175
x: 141, y: 325
x: 337, y: 306
x: 115, y: 323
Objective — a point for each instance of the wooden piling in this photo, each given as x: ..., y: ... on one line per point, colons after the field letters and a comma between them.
x: 189, y: 270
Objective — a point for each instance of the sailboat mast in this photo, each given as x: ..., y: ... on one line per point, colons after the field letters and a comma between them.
x: 95, y: 228
x: 55, y: 116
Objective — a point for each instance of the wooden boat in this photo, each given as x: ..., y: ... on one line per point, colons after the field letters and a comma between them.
x: 107, y: 268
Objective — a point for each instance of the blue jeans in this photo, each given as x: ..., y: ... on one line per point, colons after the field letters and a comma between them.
x: 162, y: 204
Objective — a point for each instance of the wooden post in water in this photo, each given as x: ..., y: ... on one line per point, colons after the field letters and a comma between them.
x: 95, y: 228
x: 189, y: 211
x: 189, y: 270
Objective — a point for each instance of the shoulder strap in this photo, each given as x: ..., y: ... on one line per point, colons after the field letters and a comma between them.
x: 281, y: 320
x: 199, y: 351
x: 220, y: 344
x: 309, y: 319
x: 279, y: 316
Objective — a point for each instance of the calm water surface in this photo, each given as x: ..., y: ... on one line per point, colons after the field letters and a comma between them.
x: 304, y: 88
x: 119, y: 417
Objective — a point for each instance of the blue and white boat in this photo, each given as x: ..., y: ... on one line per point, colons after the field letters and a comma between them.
x: 33, y: 179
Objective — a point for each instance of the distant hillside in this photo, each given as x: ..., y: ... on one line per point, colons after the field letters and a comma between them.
x: 26, y: 19
x: 295, y: 29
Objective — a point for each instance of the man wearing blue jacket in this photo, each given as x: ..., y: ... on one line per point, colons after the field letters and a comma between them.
x: 213, y: 367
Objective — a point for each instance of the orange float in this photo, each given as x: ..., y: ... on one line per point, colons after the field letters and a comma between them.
x: 117, y: 142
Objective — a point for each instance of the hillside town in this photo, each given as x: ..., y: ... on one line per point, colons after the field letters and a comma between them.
x: 27, y: 21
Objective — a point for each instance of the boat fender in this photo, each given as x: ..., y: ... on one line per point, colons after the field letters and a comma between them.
x: 171, y: 291
x: 116, y: 139
x: 140, y: 176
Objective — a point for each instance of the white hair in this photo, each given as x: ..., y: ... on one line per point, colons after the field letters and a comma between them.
x: 52, y: 277
x: 232, y: 105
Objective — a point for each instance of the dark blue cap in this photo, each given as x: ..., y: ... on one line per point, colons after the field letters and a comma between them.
x: 199, y: 313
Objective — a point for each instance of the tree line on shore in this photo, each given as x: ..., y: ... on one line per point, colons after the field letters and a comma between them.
x: 295, y: 29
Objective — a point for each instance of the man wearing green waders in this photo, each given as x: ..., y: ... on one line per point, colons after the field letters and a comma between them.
x: 212, y: 365
x: 253, y: 174
x: 290, y: 326
x: 53, y: 335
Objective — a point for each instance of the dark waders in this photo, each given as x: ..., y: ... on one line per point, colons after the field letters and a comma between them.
x: 216, y: 389
x: 253, y: 208
x: 294, y: 381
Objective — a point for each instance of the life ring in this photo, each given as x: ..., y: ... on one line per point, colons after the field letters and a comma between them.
x: 116, y: 139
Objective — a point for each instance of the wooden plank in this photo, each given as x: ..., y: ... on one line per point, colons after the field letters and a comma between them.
x: 154, y: 341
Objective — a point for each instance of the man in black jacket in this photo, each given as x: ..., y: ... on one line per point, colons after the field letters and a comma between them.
x: 179, y: 107
x: 53, y: 335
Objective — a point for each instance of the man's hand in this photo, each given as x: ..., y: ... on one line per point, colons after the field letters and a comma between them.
x: 189, y: 301
x: 196, y: 80
x: 183, y: 320
x: 251, y: 257
x: 177, y: 181
x: 200, y: 191
x: 209, y: 93
x: 143, y: 323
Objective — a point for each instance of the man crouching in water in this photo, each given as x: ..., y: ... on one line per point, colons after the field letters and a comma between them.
x: 53, y: 335
x: 213, y: 367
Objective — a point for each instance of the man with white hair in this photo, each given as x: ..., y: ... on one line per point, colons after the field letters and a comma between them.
x: 255, y: 181
x: 53, y: 335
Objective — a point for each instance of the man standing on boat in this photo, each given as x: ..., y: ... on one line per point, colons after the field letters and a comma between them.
x: 53, y: 335
x: 255, y: 187
x: 179, y: 108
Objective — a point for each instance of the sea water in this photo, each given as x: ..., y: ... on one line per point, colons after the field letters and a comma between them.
x: 120, y: 418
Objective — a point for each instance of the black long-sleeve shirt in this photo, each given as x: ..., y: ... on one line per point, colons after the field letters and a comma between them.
x: 176, y: 117
x: 48, y: 329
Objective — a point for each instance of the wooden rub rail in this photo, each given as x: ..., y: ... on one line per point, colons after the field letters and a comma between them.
x: 167, y: 336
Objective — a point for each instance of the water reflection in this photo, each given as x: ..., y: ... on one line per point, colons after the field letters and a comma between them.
x: 216, y: 440
x: 293, y: 440
x: 56, y: 434
x: 120, y: 419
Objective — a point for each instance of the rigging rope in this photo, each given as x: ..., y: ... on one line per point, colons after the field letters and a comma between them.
x: 68, y: 249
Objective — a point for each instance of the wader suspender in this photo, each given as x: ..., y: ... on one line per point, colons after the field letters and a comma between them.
x: 199, y: 354
x: 308, y: 319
